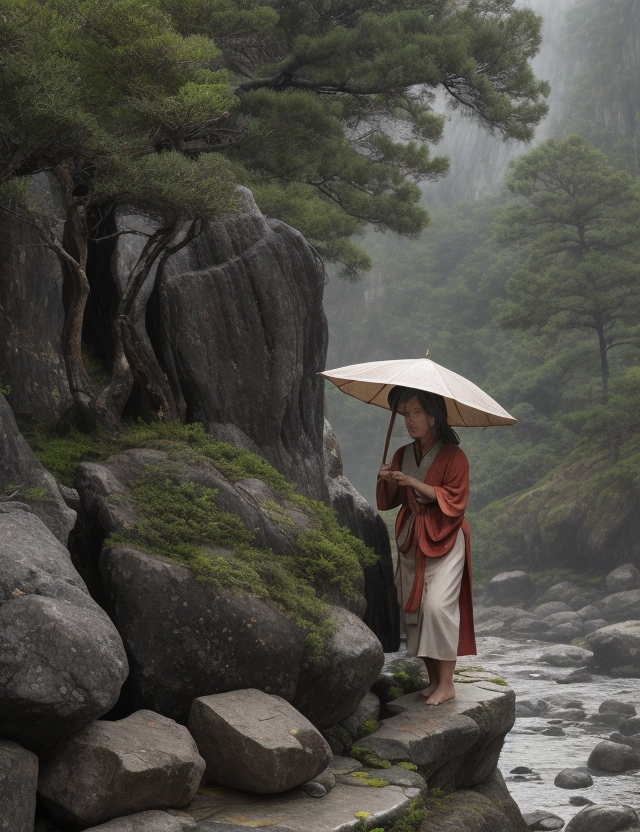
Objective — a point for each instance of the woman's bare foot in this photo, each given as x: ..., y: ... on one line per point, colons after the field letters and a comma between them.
x: 442, y: 693
x: 431, y: 688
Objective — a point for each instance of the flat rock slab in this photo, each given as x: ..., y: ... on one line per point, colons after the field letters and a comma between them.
x: 459, y: 740
x: 338, y: 811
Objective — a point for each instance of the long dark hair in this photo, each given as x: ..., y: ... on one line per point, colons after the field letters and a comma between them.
x: 432, y: 404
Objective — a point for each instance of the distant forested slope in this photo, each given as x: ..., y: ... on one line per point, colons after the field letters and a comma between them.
x: 516, y: 308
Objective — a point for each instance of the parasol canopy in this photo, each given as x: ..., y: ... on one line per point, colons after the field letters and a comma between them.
x: 467, y: 405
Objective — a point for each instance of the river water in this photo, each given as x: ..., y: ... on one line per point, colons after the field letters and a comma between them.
x: 526, y: 745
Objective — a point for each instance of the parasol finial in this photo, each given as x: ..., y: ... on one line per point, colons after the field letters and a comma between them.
x: 426, y: 355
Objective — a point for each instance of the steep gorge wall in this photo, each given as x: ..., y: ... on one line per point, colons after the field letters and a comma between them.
x: 236, y: 320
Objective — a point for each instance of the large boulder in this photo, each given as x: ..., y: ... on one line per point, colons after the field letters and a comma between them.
x: 573, y: 778
x: 485, y: 808
x: 23, y: 477
x: 330, y: 688
x: 613, y: 756
x: 118, y: 768
x: 623, y: 578
x: 459, y: 742
x: 571, y: 594
x: 509, y: 588
x: 186, y: 638
x: 609, y: 818
x: 616, y: 648
x: 18, y: 784
x: 62, y: 662
x: 256, y: 742
x: 621, y: 606
x: 107, y: 505
x: 566, y: 655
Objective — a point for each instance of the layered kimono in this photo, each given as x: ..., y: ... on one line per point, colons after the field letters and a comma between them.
x: 434, y: 552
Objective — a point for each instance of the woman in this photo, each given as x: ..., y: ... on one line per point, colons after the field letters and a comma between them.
x: 429, y: 479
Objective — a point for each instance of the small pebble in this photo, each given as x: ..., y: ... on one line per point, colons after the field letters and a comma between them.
x: 314, y: 789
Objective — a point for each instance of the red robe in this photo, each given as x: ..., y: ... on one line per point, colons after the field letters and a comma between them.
x: 436, y: 524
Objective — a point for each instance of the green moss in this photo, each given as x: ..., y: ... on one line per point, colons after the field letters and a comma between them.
x: 339, y: 740
x: 413, y: 818
x: 368, y: 758
x: 278, y: 514
x: 61, y: 455
x: 181, y: 521
x: 22, y: 492
x: 408, y: 766
x: 437, y: 800
x: 500, y: 681
x: 394, y: 692
x: 369, y: 727
x: 366, y: 776
x: 360, y: 775
x: 407, y: 683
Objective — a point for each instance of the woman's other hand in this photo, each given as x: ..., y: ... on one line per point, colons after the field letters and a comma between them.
x: 385, y: 471
x: 404, y: 479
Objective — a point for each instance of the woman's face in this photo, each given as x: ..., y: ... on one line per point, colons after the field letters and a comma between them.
x: 418, y: 423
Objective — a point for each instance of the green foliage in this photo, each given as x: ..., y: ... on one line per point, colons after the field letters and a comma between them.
x: 394, y: 692
x: 368, y: 758
x: 61, y: 454
x: 180, y: 521
x: 437, y: 800
x: 368, y: 727
x: 23, y: 492
x: 413, y: 818
x: 318, y: 87
x: 339, y: 739
x: 578, y: 230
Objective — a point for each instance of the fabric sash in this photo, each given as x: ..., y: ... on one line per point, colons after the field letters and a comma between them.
x: 406, y: 538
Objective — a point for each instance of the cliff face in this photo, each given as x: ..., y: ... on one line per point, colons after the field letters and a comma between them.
x: 243, y: 335
x: 236, y: 322
x: 31, y: 318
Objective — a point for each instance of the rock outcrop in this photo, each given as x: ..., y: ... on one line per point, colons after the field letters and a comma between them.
x: 187, y: 637
x: 248, y: 372
x: 62, y: 662
x: 32, y: 315
x: 460, y: 749
x: 22, y: 478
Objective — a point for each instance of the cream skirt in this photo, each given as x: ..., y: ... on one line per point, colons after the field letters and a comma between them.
x: 432, y: 631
